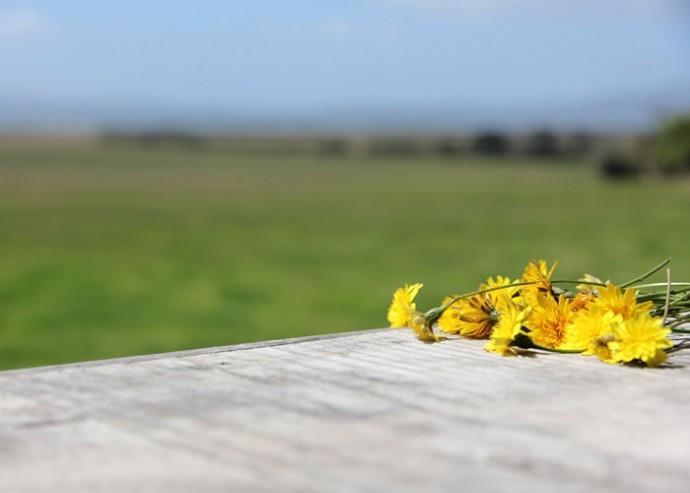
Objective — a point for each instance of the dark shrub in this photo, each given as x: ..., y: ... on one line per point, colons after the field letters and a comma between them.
x: 155, y: 138
x: 449, y: 146
x: 395, y: 146
x: 491, y: 143
x: 673, y: 145
x: 334, y: 146
x: 542, y: 143
x: 580, y: 143
x: 615, y: 166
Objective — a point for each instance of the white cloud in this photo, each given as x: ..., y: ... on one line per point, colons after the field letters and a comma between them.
x: 20, y: 23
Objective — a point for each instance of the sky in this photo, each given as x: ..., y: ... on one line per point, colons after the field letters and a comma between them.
x: 304, y: 55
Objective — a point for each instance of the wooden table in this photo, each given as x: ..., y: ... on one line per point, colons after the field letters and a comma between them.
x: 370, y: 411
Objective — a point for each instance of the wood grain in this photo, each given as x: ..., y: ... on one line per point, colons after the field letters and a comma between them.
x: 369, y: 411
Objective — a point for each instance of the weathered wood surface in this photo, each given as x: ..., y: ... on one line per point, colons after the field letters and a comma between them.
x: 372, y: 411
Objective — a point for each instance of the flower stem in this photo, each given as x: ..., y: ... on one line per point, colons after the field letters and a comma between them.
x: 554, y: 350
x: 487, y: 290
x: 435, y: 313
x: 524, y: 341
x: 517, y: 284
x: 570, y: 281
x: 668, y: 295
x: 647, y: 274
x: 663, y: 284
x: 684, y: 344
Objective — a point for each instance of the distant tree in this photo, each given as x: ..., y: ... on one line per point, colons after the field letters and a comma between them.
x: 449, y: 146
x: 491, y: 143
x: 580, y: 142
x: 542, y: 143
x: 334, y: 146
x: 618, y: 166
x: 171, y: 138
x: 395, y: 146
x: 673, y: 145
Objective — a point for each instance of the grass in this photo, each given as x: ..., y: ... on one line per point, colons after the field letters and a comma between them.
x: 112, y: 251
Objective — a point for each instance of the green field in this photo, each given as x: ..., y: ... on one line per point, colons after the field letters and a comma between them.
x: 111, y: 251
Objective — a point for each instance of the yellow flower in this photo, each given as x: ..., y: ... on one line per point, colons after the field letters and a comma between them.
x: 590, y: 331
x: 499, y: 295
x: 581, y: 301
x: 450, y: 321
x: 641, y: 338
x: 476, y: 316
x: 549, y: 320
x: 588, y: 288
x: 622, y: 303
x: 403, y: 307
x: 471, y: 317
x: 536, y: 271
x: 508, y: 327
x: 422, y: 328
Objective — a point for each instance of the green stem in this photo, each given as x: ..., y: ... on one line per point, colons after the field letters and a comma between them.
x: 655, y: 297
x: 524, y: 341
x: 482, y: 291
x: 663, y: 284
x: 554, y: 350
x: 569, y: 281
x: 433, y: 314
x: 680, y: 299
x: 678, y: 322
x: 662, y: 294
x: 679, y: 346
x: 668, y: 295
x: 647, y: 274
x: 673, y: 314
x: 516, y: 284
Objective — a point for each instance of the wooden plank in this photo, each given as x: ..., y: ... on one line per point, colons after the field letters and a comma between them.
x: 370, y: 411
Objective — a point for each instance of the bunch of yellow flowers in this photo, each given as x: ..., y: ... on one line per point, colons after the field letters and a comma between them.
x: 618, y: 324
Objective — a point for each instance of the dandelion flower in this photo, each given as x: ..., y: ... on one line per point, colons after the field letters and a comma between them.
x: 476, y: 316
x: 622, y: 303
x: 580, y: 301
x: 422, y: 328
x: 471, y: 317
x: 537, y: 271
x: 498, y: 295
x: 549, y: 320
x: 642, y: 338
x: 450, y: 321
x: 403, y: 308
x: 587, y: 288
x: 508, y: 327
x: 590, y: 331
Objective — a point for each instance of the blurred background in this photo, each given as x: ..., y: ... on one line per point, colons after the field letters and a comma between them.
x: 184, y: 174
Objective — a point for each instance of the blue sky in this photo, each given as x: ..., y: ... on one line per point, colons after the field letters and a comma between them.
x: 303, y: 54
